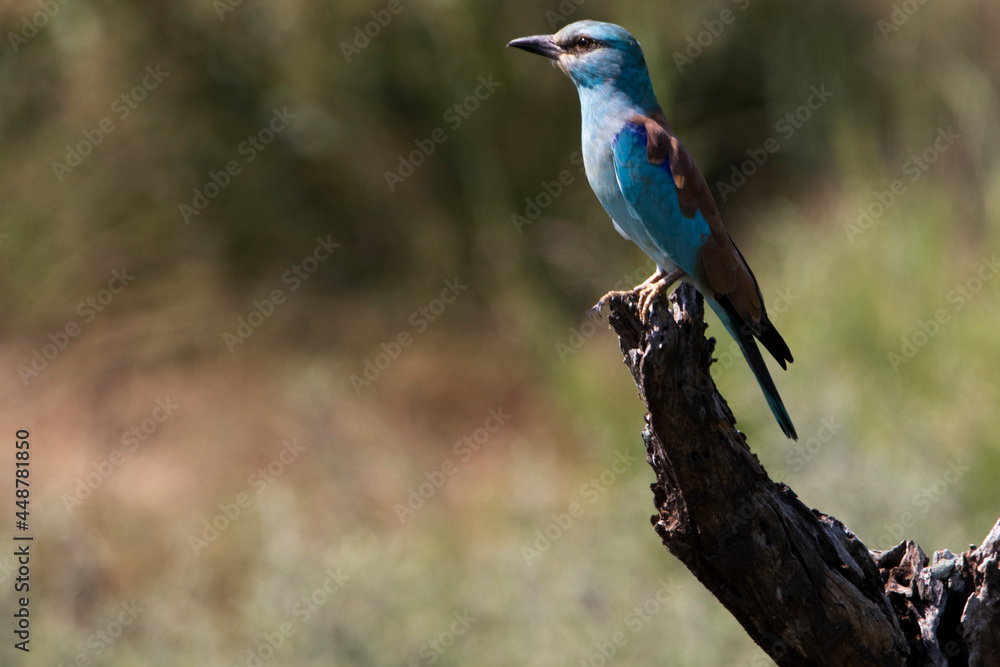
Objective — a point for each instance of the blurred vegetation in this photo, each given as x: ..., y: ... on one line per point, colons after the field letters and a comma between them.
x: 518, y: 338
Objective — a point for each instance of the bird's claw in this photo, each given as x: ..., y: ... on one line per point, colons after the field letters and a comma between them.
x: 658, y: 284
x: 597, y: 307
x: 648, y: 290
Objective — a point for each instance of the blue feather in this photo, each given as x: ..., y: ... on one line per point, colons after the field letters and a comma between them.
x: 641, y: 194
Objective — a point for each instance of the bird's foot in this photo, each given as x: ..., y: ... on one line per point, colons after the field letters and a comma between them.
x: 596, y: 309
x: 647, y: 290
x: 659, y: 283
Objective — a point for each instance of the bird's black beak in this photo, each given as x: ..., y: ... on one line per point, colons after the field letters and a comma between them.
x: 540, y: 44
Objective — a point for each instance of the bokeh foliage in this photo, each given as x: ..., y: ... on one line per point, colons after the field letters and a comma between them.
x: 849, y: 297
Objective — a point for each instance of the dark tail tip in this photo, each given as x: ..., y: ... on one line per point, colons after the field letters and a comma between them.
x: 774, y: 344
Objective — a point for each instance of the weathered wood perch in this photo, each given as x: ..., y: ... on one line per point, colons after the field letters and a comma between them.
x: 804, y: 587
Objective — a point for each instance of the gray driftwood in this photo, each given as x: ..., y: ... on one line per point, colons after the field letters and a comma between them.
x: 802, y: 585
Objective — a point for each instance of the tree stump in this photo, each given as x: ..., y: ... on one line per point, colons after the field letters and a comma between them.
x: 801, y: 584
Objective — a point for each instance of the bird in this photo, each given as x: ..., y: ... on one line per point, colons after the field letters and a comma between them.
x: 654, y: 192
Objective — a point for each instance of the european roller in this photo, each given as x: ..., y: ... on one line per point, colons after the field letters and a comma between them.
x: 655, y: 194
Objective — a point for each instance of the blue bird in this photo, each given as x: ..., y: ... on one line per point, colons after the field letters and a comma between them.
x: 655, y: 194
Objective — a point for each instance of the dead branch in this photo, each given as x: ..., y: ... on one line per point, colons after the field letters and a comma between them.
x: 802, y: 585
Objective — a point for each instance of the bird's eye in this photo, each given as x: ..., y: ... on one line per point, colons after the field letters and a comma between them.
x: 584, y: 42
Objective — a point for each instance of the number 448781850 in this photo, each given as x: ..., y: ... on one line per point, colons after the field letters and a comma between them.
x: 21, y: 478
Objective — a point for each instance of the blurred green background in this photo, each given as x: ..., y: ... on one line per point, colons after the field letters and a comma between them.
x: 415, y: 506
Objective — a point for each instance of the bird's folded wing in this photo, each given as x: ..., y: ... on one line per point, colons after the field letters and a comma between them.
x: 667, y: 191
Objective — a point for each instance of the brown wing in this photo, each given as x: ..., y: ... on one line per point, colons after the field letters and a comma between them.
x: 727, y: 272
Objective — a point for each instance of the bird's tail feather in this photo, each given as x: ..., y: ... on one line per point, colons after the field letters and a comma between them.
x: 744, y: 338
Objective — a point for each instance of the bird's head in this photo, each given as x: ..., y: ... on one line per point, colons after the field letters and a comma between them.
x: 592, y: 54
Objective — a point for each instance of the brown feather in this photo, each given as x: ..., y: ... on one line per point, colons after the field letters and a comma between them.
x: 727, y: 271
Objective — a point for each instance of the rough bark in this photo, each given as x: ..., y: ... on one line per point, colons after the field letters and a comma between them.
x: 804, y: 587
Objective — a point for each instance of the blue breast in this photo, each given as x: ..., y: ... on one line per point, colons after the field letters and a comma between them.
x: 646, y: 207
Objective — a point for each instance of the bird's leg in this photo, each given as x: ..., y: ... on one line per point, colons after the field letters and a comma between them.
x: 658, y: 275
x: 653, y: 288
